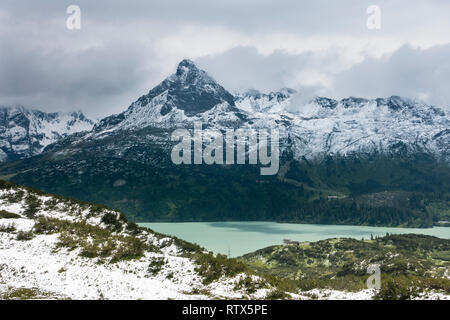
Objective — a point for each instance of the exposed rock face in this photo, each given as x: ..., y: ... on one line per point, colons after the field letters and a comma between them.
x: 25, y: 133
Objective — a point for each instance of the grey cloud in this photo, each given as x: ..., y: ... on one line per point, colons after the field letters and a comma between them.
x: 242, y: 68
x: 409, y: 72
x: 118, y: 56
x: 99, y: 80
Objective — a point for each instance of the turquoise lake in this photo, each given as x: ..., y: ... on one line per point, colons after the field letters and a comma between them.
x: 238, y: 238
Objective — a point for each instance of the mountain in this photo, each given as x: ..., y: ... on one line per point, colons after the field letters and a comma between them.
x: 186, y: 93
x: 25, y: 133
x: 383, y: 161
x: 312, y: 129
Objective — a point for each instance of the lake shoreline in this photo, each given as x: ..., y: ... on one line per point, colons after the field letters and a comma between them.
x: 235, y: 238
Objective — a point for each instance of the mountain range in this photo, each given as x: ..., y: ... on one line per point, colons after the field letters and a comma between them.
x: 383, y: 161
x: 26, y: 132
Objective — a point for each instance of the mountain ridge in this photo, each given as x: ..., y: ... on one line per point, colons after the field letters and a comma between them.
x: 319, y: 127
x: 26, y: 132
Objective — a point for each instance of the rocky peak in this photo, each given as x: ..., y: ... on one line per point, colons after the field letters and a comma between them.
x: 189, y: 89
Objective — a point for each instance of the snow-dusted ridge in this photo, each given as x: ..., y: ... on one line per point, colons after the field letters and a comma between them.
x: 26, y: 132
x: 310, y: 128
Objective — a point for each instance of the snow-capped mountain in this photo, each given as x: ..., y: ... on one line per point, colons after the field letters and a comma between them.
x: 186, y: 93
x: 311, y: 129
x: 353, y: 126
x: 26, y: 132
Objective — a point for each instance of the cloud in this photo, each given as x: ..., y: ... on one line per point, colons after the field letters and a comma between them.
x: 243, y: 67
x: 408, y: 72
x: 123, y: 49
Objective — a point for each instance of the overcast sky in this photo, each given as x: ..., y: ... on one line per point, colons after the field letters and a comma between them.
x: 124, y: 48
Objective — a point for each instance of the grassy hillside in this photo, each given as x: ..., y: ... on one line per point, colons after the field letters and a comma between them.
x: 409, y: 264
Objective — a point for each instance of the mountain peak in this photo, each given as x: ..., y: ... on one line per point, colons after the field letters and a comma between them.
x: 189, y: 75
x: 190, y: 89
x: 186, y: 65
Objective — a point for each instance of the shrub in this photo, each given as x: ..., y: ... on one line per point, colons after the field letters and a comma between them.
x: 156, y: 266
x: 276, y: 294
x: 110, y: 219
x: 94, y: 241
x: 24, y: 235
x: 130, y: 248
x: 212, y: 267
x: 22, y: 294
x: 133, y: 228
x: 33, y: 204
x: 397, y: 289
x: 8, y: 215
x: 248, y: 284
x: 14, y: 197
x: 10, y: 228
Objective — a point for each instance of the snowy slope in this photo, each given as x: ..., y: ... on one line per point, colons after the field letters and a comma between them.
x: 54, y: 270
x: 25, y: 132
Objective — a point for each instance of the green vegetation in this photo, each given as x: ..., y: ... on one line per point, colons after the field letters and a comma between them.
x: 23, y: 294
x: 33, y: 204
x: 8, y: 215
x: 213, y: 267
x: 380, y: 191
x: 409, y: 264
x: 156, y: 266
x: 249, y: 284
x: 409, y: 287
x: 9, y: 228
x: 277, y: 294
x: 24, y: 235
x: 93, y: 241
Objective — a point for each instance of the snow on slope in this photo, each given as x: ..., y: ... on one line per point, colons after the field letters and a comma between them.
x: 59, y: 272
x: 24, y: 132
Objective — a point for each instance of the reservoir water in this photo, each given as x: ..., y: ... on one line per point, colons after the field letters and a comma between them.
x: 238, y: 238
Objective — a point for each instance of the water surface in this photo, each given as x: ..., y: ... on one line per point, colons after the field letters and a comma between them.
x: 238, y: 238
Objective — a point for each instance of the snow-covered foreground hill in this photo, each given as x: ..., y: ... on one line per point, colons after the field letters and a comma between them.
x: 57, y: 248
x: 37, y: 256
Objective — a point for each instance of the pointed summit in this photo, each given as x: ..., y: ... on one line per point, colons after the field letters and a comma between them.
x: 186, y: 65
x: 190, y: 89
x: 187, y: 69
x: 188, y: 74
